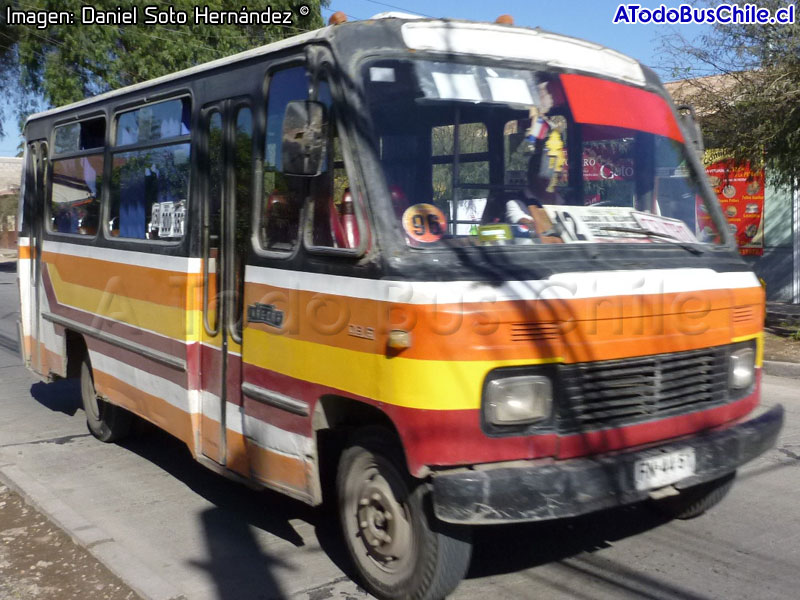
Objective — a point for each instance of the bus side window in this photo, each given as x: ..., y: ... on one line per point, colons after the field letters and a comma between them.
x: 283, y: 194
x: 334, y: 222
x: 75, y: 194
x: 77, y: 181
x: 149, y: 185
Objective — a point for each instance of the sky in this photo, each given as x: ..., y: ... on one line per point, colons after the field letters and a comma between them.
x: 587, y: 19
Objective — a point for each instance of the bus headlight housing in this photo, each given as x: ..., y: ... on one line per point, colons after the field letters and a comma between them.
x: 742, y: 367
x: 518, y: 400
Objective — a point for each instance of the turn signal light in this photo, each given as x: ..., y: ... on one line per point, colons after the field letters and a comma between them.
x: 399, y: 339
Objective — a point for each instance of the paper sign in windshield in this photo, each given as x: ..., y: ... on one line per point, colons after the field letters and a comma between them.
x: 424, y: 223
x: 507, y: 89
x: 457, y: 86
x: 674, y: 228
x: 586, y: 223
x: 603, y: 224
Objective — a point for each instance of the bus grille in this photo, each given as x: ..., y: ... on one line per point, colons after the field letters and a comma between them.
x: 619, y: 392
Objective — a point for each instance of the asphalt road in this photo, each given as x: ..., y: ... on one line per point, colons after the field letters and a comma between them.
x: 174, y: 528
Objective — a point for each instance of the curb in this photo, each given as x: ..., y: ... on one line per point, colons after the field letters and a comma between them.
x: 143, y: 580
x: 782, y: 369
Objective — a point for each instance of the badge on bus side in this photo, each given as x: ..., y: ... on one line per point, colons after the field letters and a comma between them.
x: 265, y: 313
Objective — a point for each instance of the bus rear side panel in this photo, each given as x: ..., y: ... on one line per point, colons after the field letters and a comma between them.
x: 137, y: 313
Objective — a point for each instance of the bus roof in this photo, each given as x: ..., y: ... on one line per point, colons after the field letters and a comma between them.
x: 437, y: 36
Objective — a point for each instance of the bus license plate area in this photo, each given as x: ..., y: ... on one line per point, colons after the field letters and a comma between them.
x: 664, y: 469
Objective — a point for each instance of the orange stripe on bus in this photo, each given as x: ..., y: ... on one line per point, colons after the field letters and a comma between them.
x: 575, y: 330
x: 156, y: 410
x: 168, y: 288
x: 272, y: 467
x: 248, y: 458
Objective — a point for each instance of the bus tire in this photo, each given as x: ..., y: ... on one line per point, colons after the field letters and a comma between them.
x: 107, y: 422
x: 694, y: 501
x: 399, y: 549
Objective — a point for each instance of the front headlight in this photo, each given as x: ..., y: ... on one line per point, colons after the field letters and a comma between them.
x: 742, y: 365
x: 518, y: 400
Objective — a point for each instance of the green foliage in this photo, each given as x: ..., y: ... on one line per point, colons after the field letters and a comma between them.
x: 66, y: 63
x: 746, y: 89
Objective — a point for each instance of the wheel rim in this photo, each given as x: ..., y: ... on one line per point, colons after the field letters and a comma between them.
x: 380, y: 524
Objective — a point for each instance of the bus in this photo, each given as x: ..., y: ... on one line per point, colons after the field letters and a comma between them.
x: 438, y: 274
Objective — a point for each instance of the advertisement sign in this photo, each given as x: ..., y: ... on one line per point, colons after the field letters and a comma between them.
x: 605, y: 167
x: 741, y: 194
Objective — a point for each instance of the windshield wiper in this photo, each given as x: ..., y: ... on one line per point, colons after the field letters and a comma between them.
x: 656, y: 234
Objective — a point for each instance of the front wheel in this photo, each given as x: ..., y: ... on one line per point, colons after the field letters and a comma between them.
x: 400, y: 550
x: 694, y: 501
x: 106, y: 421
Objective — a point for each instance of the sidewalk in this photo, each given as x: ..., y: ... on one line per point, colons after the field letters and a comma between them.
x: 38, y: 561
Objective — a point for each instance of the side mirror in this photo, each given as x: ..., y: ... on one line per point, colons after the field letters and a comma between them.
x: 305, y: 138
x: 689, y: 119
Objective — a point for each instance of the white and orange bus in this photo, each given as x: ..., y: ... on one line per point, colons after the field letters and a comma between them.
x: 465, y: 273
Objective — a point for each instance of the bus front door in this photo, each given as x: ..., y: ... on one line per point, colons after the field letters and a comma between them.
x: 225, y: 234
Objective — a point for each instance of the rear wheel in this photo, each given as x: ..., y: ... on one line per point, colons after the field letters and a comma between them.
x: 400, y: 550
x: 694, y: 501
x: 106, y: 421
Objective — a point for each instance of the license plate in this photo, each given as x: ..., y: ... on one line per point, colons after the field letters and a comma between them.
x: 664, y: 469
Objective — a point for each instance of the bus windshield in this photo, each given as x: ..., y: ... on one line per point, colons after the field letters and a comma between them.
x: 487, y: 155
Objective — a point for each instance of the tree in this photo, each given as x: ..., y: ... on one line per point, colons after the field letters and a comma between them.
x: 745, y: 87
x: 63, y: 63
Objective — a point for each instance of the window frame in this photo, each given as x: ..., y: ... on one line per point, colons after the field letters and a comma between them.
x: 112, y: 149
x: 236, y: 105
x: 54, y: 156
x: 260, y: 170
x: 358, y: 190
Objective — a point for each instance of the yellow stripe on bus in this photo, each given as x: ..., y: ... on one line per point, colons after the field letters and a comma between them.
x: 174, y: 322
x: 411, y: 383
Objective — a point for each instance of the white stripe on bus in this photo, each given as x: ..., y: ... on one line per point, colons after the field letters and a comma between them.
x: 562, y: 286
x: 180, y: 264
x: 172, y: 393
x: 263, y: 434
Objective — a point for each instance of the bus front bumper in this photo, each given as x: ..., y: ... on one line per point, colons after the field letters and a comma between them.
x: 519, y: 492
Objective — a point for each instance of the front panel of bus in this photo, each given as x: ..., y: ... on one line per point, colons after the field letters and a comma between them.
x: 563, y: 281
